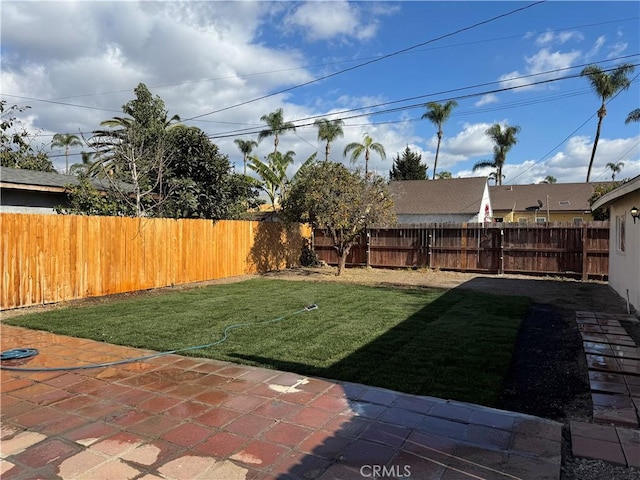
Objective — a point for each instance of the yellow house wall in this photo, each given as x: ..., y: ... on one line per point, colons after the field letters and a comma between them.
x: 512, y: 217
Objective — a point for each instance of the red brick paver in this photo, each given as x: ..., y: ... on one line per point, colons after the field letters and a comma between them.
x: 178, y: 417
x: 614, y: 374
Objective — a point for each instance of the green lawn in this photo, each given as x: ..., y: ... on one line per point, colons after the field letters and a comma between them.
x: 450, y: 344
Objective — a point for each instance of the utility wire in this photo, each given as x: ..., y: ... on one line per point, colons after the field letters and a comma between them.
x: 571, y: 134
x: 360, y: 65
x: 339, y: 62
x: 307, y: 121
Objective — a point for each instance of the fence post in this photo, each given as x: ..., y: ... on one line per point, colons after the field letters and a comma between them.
x: 429, y: 250
x: 585, y: 256
x: 368, y: 238
x: 501, y: 267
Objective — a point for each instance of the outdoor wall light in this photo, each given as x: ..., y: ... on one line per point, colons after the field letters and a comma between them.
x: 634, y: 213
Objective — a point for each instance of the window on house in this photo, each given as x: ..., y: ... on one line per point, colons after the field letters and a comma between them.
x: 498, y: 219
x: 522, y: 220
x: 620, y: 233
x: 541, y: 219
x: 577, y: 220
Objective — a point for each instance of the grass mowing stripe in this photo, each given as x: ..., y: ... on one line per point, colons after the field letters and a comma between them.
x: 450, y: 344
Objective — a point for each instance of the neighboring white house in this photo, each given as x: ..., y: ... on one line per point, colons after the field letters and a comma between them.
x: 450, y: 200
x: 624, y: 240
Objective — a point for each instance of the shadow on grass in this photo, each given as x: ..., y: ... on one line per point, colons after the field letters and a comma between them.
x: 457, y: 346
x: 454, y: 352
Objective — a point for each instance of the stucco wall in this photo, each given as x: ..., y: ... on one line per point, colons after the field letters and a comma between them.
x: 404, y: 219
x: 624, y: 266
x: 509, y: 216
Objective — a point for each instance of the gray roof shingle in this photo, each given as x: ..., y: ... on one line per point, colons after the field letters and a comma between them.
x: 561, y: 196
x: 43, y: 179
x: 444, y: 196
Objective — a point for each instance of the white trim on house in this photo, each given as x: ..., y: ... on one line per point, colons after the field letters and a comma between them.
x: 624, y: 240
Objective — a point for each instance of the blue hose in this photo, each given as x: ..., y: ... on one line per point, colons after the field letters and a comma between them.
x: 18, y: 351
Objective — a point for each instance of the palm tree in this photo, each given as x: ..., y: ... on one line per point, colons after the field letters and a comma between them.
x: 328, y: 131
x: 634, y: 116
x: 246, y: 147
x: 277, y: 126
x: 494, y: 176
x: 85, y: 166
x: 366, y: 146
x: 615, y: 169
x: 549, y: 179
x: 504, y: 140
x: 67, y: 141
x: 606, y: 86
x: 444, y: 175
x: 438, y: 113
x: 273, y: 174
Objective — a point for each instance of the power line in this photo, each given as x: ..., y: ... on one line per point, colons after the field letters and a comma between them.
x: 340, y: 62
x: 305, y: 121
x: 360, y: 65
x: 571, y: 134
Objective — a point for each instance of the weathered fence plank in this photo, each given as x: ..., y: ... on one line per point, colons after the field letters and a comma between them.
x: 550, y: 249
x: 52, y: 258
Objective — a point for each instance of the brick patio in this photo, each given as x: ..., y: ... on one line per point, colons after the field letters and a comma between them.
x: 176, y: 417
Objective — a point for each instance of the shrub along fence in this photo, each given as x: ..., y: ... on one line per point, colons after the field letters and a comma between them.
x: 52, y: 258
x: 543, y: 249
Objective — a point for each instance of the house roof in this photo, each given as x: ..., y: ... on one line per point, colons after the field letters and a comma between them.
x: 22, y: 179
x: 568, y: 197
x: 450, y: 196
x: 624, y: 189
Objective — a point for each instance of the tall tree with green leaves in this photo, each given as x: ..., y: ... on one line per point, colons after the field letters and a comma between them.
x: 16, y: 143
x: 367, y: 146
x: 550, y: 179
x: 328, y: 131
x: 494, y: 176
x: 342, y: 203
x: 199, y: 181
x: 134, y: 148
x: 443, y: 175
x: 272, y: 174
x: 605, y: 85
x: 504, y: 139
x: 84, y: 166
x: 409, y: 166
x: 634, y: 116
x: 438, y: 114
x: 615, y: 169
x: 276, y: 127
x: 67, y: 141
x: 245, y: 147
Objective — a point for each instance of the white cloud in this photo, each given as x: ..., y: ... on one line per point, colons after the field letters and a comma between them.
x: 543, y: 61
x: 486, y: 99
x: 617, y: 49
x: 471, y: 142
x: 555, y: 38
x: 327, y: 20
x: 597, y: 46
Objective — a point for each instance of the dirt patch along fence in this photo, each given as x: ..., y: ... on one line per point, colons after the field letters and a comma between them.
x: 547, y: 249
x: 52, y: 258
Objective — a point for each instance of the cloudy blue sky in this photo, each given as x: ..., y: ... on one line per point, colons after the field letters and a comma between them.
x: 374, y: 64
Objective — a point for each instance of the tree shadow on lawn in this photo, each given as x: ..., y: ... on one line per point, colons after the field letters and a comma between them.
x: 458, y: 346
x: 444, y: 350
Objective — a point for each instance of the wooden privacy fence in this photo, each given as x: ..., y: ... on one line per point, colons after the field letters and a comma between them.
x: 546, y: 249
x: 51, y: 258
